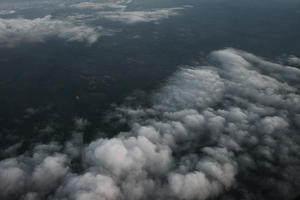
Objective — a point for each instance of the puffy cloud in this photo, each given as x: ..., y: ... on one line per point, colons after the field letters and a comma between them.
x: 214, y: 173
x: 128, y: 156
x: 192, y: 186
x: 272, y: 124
x: 14, y: 31
x: 229, y: 126
x: 191, y: 88
x: 51, y: 169
x: 89, y: 186
x: 12, y: 177
x: 33, y: 176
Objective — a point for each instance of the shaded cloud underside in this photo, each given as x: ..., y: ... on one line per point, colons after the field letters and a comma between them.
x: 229, y: 126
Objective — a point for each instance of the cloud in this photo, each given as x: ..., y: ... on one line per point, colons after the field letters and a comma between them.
x: 205, y: 87
x: 14, y: 31
x: 209, y: 180
x: 99, y: 6
x: 133, y: 17
x: 52, y: 168
x: 293, y: 60
x: 89, y: 186
x: 12, y: 177
x: 226, y: 130
x: 7, y: 12
x: 21, y: 176
x: 119, y: 13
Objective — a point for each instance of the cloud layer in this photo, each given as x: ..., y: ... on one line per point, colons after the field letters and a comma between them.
x: 14, y: 31
x: 227, y: 130
x: 133, y: 17
x: 118, y: 11
x: 74, y: 26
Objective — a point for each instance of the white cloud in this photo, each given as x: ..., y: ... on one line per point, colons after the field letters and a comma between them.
x: 14, y: 31
x: 210, y: 129
x: 89, y: 186
x: 194, y: 185
x: 53, y: 168
x: 118, y: 11
x: 17, y: 30
x: 7, y: 12
x: 128, y: 156
x: 98, y: 6
x: 191, y: 88
x: 132, y: 17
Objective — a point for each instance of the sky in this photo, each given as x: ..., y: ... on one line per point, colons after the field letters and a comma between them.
x: 149, y: 99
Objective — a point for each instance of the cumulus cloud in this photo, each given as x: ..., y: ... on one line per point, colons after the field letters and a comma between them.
x: 39, y: 174
x: 227, y: 130
x: 14, y: 31
x: 205, y: 88
x: 89, y: 186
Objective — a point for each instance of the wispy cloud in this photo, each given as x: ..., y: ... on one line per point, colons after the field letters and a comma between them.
x: 14, y: 31
x: 293, y: 60
x: 133, y: 17
x: 7, y: 12
x: 98, y: 6
x: 119, y: 12
x: 76, y: 26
